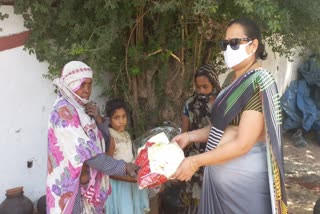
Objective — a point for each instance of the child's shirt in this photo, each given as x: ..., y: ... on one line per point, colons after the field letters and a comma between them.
x: 123, y: 145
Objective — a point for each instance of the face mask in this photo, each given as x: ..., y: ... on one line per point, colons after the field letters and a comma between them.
x: 235, y: 57
x: 204, y: 98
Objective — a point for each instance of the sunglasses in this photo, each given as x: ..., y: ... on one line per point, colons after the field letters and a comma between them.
x: 234, y: 43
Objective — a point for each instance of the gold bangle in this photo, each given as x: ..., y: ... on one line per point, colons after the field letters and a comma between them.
x: 192, y: 165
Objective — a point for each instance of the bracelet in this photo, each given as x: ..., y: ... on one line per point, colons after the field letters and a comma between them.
x: 192, y: 165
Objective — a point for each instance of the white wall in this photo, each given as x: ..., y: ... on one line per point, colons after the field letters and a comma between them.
x: 282, y: 69
x: 12, y: 25
x: 26, y: 101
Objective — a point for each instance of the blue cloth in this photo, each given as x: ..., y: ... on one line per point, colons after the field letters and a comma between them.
x: 126, y: 198
x: 301, y: 110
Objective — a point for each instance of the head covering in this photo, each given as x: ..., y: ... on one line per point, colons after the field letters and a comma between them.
x: 72, y: 76
x: 208, y: 71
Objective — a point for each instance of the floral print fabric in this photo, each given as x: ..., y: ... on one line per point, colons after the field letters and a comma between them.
x: 72, y: 139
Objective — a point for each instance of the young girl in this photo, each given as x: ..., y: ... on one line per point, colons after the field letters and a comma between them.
x: 125, y: 198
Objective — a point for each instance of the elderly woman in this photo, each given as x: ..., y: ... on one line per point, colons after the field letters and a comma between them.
x: 77, y: 180
x: 243, y: 160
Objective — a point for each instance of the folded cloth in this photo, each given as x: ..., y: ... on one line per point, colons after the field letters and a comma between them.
x: 158, y: 159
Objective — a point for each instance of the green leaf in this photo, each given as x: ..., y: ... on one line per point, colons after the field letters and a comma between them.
x: 135, y: 71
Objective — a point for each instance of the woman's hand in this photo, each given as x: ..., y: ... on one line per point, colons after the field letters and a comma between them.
x: 85, y: 174
x: 182, y: 140
x: 186, y: 169
x: 132, y: 169
x: 92, y: 109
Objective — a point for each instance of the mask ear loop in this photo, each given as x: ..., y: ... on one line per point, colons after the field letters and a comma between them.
x: 247, y: 45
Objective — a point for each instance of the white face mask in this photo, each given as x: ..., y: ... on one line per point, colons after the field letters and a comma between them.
x: 235, y: 57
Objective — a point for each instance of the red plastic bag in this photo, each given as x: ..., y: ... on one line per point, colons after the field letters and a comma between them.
x: 158, y: 161
x: 147, y: 179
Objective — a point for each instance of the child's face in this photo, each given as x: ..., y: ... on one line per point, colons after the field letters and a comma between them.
x: 118, y: 120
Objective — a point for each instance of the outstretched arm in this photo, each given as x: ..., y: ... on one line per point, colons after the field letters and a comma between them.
x: 237, y: 145
x: 199, y: 135
x: 108, y: 165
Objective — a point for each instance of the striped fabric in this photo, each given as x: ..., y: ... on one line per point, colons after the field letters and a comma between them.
x: 214, y: 138
x: 228, y: 105
x: 89, y: 194
x: 232, y: 101
x: 254, y: 104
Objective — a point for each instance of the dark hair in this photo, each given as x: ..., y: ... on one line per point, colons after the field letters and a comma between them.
x: 252, y: 30
x: 208, y: 71
x: 113, y: 105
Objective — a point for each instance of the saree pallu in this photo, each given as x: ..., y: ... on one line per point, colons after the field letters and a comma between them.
x: 228, y: 105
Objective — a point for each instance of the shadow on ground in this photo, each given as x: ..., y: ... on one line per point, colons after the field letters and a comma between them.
x: 302, y: 167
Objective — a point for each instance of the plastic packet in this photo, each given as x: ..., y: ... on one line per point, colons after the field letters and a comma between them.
x: 158, y: 159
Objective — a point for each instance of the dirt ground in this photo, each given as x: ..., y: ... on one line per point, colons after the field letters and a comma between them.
x: 302, y: 167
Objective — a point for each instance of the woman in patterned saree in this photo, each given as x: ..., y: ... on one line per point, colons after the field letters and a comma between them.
x: 77, y: 180
x: 243, y: 160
